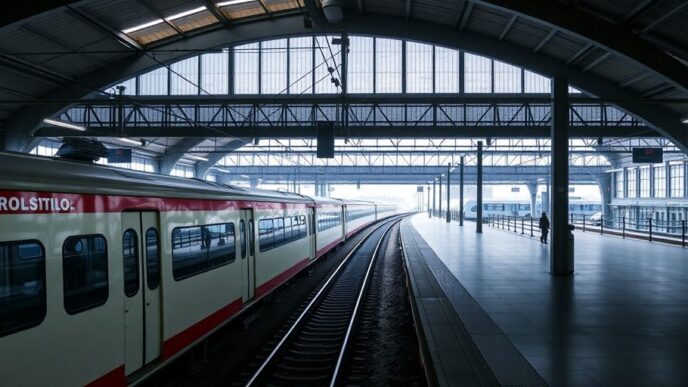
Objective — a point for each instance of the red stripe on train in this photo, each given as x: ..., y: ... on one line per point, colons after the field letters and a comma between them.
x: 281, y: 278
x: 196, y: 331
x: 357, y: 229
x: 112, y: 378
x: 325, y: 249
x: 185, y: 338
x: 20, y: 202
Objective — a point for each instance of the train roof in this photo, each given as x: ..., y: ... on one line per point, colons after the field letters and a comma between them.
x: 26, y: 172
x: 326, y: 200
x: 358, y: 202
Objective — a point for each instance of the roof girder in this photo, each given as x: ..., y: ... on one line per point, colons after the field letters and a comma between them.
x: 600, y: 33
x: 661, y: 119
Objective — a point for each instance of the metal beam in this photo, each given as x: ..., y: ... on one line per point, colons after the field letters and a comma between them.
x: 219, y: 15
x: 176, y: 152
x: 659, y: 118
x: 33, y: 70
x: 634, y: 79
x: 60, y: 43
x: 105, y: 28
x: 159, y: 15
x: 353, y: 132
x: 544, y: 40
x: 326, y: 99
x: 640, y: 7
x: 410, y: 175
x: 465, y: 15
x: 597, y: 61
x: 408, y: 9
x: 265, y: 8
x: 203, y: 167
x: 507, y: 27
x: 680, y: 7
x: 602, y: 33
x: 580, y: 54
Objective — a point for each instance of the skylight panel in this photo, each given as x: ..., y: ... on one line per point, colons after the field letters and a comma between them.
x: 233, y: 2
x: 159, y: 21
x: 186, y: 13
x: 142, y: 26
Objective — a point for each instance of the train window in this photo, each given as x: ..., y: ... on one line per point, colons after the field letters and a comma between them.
x: 198, y: 249
x: 152, y: 259
x: 288, y: 234
x: 130, y: 253
x: 85, y: 272
x: 266, y: 234
x: 279, y: 232
x: 302, y: 226
x: 22, y: 286
x: 242, y: 238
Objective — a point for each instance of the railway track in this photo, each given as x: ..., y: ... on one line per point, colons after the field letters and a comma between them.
x: 313, y: 349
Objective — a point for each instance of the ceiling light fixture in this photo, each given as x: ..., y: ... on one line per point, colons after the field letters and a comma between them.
x: 130, y: 141
x: 199, y: 158
x: 186, y: 13
x: 233, y: 2
x: 63, y: 124
x: 684, y: 120
x: 142, y: 26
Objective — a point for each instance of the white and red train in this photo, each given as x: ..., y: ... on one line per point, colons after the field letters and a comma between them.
x: 107, y: 274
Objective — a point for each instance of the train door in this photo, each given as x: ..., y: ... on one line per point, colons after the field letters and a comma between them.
x: 247, y: 242
x: 311, y: 231
x: 142, y: 304
x: 345, y: 221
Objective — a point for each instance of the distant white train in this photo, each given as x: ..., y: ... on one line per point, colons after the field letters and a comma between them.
x: 577, y: 207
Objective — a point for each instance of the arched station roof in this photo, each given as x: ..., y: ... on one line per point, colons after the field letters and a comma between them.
x: 629, y: 53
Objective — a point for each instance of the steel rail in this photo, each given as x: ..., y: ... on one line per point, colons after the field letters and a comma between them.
x: 257, y: 374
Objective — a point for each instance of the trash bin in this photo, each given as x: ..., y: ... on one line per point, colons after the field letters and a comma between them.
x: 570, y: 260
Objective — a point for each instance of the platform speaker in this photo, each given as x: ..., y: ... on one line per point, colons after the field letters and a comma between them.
x: 325, y: 133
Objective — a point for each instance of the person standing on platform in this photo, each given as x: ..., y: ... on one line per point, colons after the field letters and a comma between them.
x: 544, y: 228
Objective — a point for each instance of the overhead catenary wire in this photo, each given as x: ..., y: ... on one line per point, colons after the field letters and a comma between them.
x: 201, y: 89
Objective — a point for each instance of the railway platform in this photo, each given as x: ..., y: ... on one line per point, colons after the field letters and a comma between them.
x: 620, y: 320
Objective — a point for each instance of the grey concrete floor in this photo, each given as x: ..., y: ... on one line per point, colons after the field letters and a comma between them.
x: 621, y: 320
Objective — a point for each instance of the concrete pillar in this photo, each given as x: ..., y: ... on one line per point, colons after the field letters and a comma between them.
x: 479, y: 189
x: 429, y: 209
x: 532, y: 190
x: 448, y: 192
x: 559, y: 172
x: 433, y: 196
x: 604, y: 183
x: 667, y: 181
x: 461, y: 192
x: 439, y: 196
x: 546, y: 197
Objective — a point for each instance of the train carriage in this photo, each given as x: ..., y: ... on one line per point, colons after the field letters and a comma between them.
x: 358, y: 214
x: 329, y: 221
x: 107, y: 274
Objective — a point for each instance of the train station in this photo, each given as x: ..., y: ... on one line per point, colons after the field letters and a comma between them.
x: 331, y: 192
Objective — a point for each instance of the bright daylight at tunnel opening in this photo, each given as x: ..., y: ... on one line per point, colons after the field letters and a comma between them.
x: 344, y: 193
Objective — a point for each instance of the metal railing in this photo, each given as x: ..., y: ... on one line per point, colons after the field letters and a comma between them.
x: 649, y: 229
x: 518, y: 224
